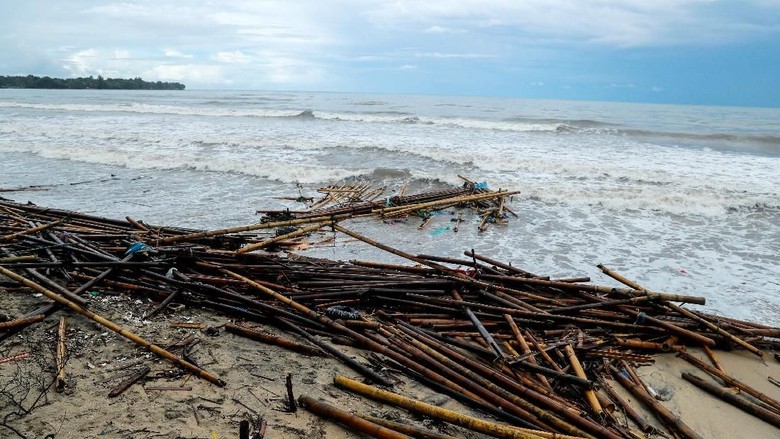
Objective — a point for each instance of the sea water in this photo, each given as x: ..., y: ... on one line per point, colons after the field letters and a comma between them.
x: 682, y: 199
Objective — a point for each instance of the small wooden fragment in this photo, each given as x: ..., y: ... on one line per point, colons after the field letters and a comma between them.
x: 60, y: 354
x: 118, y: 390
x: 291, y: 406
x: 22, y: 322
x: 13, y: 358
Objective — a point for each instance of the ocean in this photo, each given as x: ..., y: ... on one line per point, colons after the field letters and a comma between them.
x: 682, y: 199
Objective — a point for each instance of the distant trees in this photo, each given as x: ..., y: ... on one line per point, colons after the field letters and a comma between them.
x: 136, y: 83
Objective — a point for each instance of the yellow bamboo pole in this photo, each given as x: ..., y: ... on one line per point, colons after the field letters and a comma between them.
x: 267, y: 242
x: 590, y: 395
x: 466, y: 421
x: 195, y: 370
x: 30, y: 230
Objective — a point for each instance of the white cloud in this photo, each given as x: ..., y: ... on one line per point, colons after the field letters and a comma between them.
x: 81, y: 62
x: 608, y: 22
x: 233, y: 57
x: 197, y: 73
x: 407, y: 67
x: 171, y: 53
x: 453, y: 55
x: 440, y: 30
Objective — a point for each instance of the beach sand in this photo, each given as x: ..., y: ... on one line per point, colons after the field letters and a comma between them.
x: 255, y: 374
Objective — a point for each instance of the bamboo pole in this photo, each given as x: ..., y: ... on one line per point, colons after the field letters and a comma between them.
x: 350, y: 420
x: 23, y: 321
x: 526, y: 397
x: 525, y: 348
x: 114, y: 327
x: 628, y: 409
x: 590, y: 396
x: 397, y: 211
x: 731, y: 398
x: 658, y: 409
x: 466, y: 421
x: 31, y: 230
x: 730, y: 381
x: 685, y: 312
x: 249, y: 228
x: 267, y: 242
x: 274, y: 340
x: 713, y: 358
x: 60, y: 356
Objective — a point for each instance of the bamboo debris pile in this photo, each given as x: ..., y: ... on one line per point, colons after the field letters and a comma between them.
x: 541, y: 355
x: 363, y: 200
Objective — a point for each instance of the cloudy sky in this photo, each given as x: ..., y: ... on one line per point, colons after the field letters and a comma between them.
x: 676, y: 51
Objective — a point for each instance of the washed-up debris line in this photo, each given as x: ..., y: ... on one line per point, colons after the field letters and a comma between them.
x: 363, y: 200
x: 541, y: 355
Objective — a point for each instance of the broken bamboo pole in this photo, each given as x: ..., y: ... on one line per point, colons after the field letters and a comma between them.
x: 661, y: 412
x: 60, y: 353
x: 730, y: 381
x: 590, y: 395
x: 274, y: 340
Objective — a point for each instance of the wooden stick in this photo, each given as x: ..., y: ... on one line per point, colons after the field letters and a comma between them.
x: 60, y: 354
x: 24, y: 321
x: 118, y: 390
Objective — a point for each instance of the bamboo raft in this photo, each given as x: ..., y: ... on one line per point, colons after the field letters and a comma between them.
x: 541, y: 355
x: 360, y: 200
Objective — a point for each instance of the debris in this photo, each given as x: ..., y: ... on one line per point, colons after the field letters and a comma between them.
x: 526, y: 348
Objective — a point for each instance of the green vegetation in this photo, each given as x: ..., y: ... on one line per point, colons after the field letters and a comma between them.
x: 31, y: 81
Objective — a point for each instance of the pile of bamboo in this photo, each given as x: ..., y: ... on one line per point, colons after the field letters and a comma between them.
x: 541, y: 355
x: 360, y: 200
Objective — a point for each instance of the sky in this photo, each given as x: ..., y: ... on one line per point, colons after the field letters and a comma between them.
x: 707, y: 52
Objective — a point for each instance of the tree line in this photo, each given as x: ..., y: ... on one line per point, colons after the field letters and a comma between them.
x: 31, y: 81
